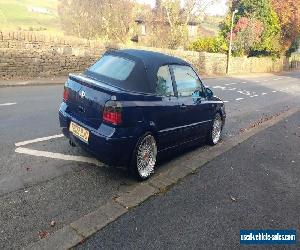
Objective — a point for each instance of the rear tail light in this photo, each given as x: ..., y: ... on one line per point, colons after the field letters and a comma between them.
x: 112, y: 112
x: 66, y: 94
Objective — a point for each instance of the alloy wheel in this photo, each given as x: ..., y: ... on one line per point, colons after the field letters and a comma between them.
x: 216, y: 131
x: 146, y: 156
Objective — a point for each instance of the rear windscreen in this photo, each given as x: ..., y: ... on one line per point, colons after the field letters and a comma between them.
x: 113, y: 67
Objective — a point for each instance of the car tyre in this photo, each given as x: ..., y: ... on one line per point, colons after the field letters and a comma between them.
x: 144, y: 157
x: 215, y: 131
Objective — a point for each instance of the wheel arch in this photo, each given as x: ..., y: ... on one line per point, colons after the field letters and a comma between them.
x: 221, y: 110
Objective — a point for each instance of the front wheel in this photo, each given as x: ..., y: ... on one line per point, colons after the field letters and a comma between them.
x: 214, y: 134
x: 144, y: 157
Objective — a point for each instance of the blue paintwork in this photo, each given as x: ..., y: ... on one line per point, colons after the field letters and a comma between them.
x: 172, y: 120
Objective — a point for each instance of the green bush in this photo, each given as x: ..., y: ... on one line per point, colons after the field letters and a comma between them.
x: 262, y: 13
x: 209, y: 44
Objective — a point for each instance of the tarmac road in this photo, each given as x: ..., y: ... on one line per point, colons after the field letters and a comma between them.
x: 252, y: 186
x: 37, y: 189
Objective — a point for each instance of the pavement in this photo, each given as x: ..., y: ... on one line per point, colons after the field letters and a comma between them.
x: 43, y: 179
x: 56, y: 80
x: 255, y: 185
x: 33, y: 82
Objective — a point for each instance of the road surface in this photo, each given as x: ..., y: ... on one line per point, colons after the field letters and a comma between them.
x: 207, y: 210
x: 43, y: 179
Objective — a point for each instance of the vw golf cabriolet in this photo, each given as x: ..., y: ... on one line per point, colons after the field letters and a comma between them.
x: 132, y: 105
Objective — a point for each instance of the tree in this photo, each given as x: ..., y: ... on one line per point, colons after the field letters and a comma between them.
x: 107, y: 19
x: 179, y: 14
x: 247, y: 33
x: 288, y: 12
x: 159, y: 30
x: 260, y: 10
x: 172, y: 10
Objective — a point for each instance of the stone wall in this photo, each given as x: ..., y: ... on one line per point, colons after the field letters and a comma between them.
x: 295, y: 61
x: 215, y: 64
x: 28, y: 54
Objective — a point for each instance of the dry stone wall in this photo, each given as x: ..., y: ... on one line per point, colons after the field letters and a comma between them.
x: 25, y: 55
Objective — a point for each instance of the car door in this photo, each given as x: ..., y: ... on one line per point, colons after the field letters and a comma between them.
x: 167, y: 110
x: 194, y: 109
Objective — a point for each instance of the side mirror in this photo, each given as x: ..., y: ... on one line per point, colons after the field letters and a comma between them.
x: 209, y: 93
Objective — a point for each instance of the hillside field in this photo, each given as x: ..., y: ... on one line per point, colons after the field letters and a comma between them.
x: 25, y: 15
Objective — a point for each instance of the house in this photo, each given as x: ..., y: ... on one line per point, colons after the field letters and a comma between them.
x: 39, y: 10
x: 144, y: 29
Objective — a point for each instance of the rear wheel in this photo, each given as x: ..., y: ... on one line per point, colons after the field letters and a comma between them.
x: 144, y: 157
x: 214, y: 134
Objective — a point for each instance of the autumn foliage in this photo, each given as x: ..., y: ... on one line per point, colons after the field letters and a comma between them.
x: 246, y: 34
x: 288, y: 12
x: 263, y: 27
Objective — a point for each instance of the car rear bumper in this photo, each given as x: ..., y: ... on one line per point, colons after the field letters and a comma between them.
x: 110, y: 150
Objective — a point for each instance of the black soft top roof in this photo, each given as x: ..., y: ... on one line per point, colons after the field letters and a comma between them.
x: 144, y: 74
x: 150, y: 57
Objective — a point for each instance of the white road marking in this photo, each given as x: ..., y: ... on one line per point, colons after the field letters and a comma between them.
x: 8, y: 104
x: 274, y: 91
x: 233, y: 83
x: 225, y: 101
x: 231, y: 89
x: 219, y: 87
x: 263, y: 93
x: 58, y: 156
x: 238, y: 99
x: 276, y: 79
x: 244, y: 92
x: 244, y: 82
x: 23, y: 143
x: 257, y: 81
x: 283, y: 90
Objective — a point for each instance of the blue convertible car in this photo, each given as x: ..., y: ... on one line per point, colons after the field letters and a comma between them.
x: 132, y: 105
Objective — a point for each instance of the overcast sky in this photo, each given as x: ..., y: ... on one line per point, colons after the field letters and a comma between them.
x: 219, y: 8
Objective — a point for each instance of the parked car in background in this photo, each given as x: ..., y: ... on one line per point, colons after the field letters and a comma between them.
x: 132, y: 105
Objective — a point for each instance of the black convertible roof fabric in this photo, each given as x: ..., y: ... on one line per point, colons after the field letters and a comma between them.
x: 151, y: 58
x: 144, y: 74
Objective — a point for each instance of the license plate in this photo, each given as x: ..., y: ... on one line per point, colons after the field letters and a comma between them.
x: 79, y: 131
